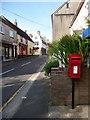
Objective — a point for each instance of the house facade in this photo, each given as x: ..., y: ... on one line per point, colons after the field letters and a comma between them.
x: 31, y: 45
x: 24, y: 42
x: 62, y: 17
x: 22, y: 46
x: 8, y: 39
x: 78, y: 23
x: 14, y: 42
x: 86, y: 32
x: 40, y: 47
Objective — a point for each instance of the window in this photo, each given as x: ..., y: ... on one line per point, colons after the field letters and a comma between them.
x: 21, y: 39
x: 2, y: 29
x: 36, y: 50
x: 87, y: 5
x: 67, y: 5
x: 11, y: 33
x: 36, y: 43
x: 30, y: 50
x: 24, y: 41
x: 35, y: 37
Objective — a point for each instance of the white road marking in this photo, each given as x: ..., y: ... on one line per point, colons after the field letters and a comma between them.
x: 25, y: 64
x: 7, y: 71
x: 8, y: 85
x: 24, y: 97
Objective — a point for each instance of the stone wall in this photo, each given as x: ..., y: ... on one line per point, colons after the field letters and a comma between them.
x: 61, y: 87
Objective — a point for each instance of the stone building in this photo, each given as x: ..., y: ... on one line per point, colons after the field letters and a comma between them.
x: 8, y: 39
x: 13, y: 40
x: 62, y: 18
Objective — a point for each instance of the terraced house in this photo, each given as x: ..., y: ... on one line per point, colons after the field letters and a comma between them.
x: 13, y: 40
x: 8, y: 39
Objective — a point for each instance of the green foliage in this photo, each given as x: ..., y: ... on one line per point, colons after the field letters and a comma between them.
x: 49, y: 65
x: 60, y: 50
x: 84, y: 48
x: 87, y: 22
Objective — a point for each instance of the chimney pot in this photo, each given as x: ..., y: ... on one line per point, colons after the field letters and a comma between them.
x: 15, y: 22
x: 25, y: 31
x: 38, y: 32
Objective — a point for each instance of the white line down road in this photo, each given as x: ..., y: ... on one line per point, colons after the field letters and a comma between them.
x: 14, y: 68
x: 7, y: 71
x: 25, y: 64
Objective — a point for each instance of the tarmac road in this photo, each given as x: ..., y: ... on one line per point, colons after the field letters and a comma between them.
x: 14, y: 75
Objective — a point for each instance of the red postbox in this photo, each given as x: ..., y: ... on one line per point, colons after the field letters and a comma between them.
x: 74, y: 65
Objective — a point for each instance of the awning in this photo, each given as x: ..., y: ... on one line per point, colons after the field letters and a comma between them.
x: 86, y: 33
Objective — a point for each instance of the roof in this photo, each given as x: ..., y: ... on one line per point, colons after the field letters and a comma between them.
x: 75, y: 15
x: 19, y: 31
x: 60, y: 7
x: 77, y: 12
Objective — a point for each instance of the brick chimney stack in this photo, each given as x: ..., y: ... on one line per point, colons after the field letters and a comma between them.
x: 15, y: 22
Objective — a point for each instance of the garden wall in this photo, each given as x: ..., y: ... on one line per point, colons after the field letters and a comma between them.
x: 61, y: 87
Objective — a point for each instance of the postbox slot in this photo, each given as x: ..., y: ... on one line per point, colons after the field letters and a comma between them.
x: 75, y: 58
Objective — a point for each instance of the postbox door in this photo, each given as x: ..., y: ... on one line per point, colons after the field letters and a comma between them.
x: 75, y: 71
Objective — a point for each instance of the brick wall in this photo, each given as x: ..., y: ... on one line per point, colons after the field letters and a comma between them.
x: 61, y: 87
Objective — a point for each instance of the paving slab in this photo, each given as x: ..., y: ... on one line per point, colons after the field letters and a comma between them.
x: 81, y: 111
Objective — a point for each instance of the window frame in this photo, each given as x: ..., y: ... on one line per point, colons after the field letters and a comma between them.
x: 67, y: 5
x: 11, y: 33
x: 2, y: 29
x: 37, y: 43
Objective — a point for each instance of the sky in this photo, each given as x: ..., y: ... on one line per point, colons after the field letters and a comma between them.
x: 31, y: 16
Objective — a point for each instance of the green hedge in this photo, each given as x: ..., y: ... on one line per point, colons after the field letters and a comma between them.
x: 49, y: 65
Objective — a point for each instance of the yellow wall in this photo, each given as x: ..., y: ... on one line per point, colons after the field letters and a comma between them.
x: 30, y: 45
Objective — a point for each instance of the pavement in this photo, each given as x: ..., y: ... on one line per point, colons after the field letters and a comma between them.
x: 35, y: 103
x: 80, y: 112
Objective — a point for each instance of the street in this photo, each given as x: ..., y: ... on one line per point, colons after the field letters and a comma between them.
x: 24, y: 88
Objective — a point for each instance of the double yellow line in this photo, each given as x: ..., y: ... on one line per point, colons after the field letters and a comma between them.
x: 11, y: 98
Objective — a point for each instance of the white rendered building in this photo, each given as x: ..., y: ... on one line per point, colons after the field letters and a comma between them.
x: 78, y: 23
x: 40, y: 47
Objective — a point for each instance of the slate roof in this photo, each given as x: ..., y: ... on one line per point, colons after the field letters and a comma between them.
x: 19, y: 31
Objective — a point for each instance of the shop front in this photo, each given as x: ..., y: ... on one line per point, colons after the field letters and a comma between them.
x: 8, y: 51
x: 22, y: 50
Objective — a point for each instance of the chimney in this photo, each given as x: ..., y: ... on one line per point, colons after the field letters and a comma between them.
x: 38, y: 32
x: 30, y: 35
x: 25, y: 31
x: 15, y: 22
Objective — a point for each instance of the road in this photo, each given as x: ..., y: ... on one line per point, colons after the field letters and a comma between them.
x: 22, y: 79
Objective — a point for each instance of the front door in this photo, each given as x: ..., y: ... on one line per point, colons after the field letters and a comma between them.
x: 7, y: 52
